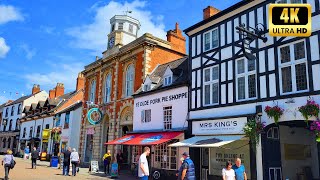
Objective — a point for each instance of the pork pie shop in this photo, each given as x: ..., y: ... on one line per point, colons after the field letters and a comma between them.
x: 215, y: 141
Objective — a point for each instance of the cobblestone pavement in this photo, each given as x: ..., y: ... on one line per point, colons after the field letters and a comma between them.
x: 23, y: 171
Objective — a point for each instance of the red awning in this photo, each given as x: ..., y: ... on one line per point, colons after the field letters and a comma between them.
x: 146, y: 139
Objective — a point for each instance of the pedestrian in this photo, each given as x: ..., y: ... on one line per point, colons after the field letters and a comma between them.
x: 6, y: 162
x: 106, y: 162
x: 228, y: 172
x: 66, y: 161
x: 26, y: 153
x: 119, y: 160
x: 74, y: 161
x: 239, y: 170
x: 143, y: 171
x: 187, y: 170
x: 34, y: 157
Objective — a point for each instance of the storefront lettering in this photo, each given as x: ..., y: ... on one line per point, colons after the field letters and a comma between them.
x: 162, y: 99
x: 219, y: 124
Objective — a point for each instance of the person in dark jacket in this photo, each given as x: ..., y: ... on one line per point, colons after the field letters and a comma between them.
x: 187, y: 170
x: 66, y: 162
x: 34, y: 157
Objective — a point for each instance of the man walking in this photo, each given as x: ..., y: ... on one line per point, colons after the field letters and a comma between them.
x: 66, y: 162
x: 34, y: 157
x: 186, y: 171
x: 143, y: 171
x: 239, y: 170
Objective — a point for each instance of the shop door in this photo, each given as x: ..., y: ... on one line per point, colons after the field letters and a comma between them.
x: 271, y: 154
x: 89, y: 144
x: 204, y: 163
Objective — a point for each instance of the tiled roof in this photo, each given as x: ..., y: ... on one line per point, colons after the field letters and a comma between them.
x: 22, y: 99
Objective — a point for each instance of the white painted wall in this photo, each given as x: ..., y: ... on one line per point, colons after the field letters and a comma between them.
x: 179, y: 110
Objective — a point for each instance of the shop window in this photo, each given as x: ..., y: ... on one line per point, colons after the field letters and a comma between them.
x: 136, y: 152
x: 166, y: 156
x: 67, y: 120
x: 273, y: 133
x: 246, y: 79
x: 146, y: 116
x: 129, y: 81
x: 211, y: 85
x: 167, y: 117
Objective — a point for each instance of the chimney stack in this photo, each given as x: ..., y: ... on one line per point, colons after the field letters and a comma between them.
x: 59, y: 89
x: 209, y: 11
x: 177, y: 40
x: 80, y: 82
x: 36, y: 88
x: 52, y: 93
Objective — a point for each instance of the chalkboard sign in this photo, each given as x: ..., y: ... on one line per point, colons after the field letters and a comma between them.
x: 114, y: 170
x: 94, y: 166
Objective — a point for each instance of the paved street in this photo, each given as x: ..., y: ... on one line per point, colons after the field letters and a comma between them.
x: 23, y: 171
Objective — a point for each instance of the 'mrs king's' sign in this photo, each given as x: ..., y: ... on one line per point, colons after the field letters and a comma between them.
x: 219, y: 126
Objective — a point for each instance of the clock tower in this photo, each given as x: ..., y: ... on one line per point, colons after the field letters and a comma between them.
x: 124, y: 29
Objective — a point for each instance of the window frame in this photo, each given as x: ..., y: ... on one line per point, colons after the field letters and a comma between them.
x: 211, y: 83
x: 144, y: 116
x: 24, y: 133
x: 210, y: 32
x: 12, y: 110
x: 166, y: 120
x: 19, y: 109
x: 131, y: 81
x: 66, y: 121
x: 31, y: 132
x: 122, y: 24
x: 167, y: 80
x: 292, y: 64
x: 108, y: 88
x: 38, y: 131
x: 92, y: 92
x: 159, y: 155
x: 288, y: 2
x: 10, y: 125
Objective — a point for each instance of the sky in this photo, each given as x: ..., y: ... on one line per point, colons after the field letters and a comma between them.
x: 45, y: 42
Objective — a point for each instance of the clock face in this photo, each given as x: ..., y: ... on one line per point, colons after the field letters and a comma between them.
x: 111, y: 42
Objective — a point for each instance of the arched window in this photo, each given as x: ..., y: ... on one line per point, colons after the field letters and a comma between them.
x: 19, y: 109
x: 18, y: 124
x: 12, y: 110
x: 129, y: 80
x: 24, y: 132
x: 107, y: 93
x: 4, y: 143
x: 92, y: 91
x: 30, y: 132
x: 10, y: 125
x: 9, y: 142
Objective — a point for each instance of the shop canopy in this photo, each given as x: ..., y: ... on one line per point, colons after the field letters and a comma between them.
x: 207, y: 141
x: 145, y: 139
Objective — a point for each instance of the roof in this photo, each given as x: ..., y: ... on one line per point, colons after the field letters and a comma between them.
x: 26, y: 109
x: 3, y: 105
x: 71, y: 107
x: 40, y: 104
x: 22, y: 98
x: 179, y: 69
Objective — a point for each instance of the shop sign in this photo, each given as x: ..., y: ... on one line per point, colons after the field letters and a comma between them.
x: 168, y: 98
x: 90, y: 131
x: 94, y: 166
x: 152, y: 139
x: 219, y: 126
x: 94, y: 116
x: 114, y: 170
x: 125, y: 139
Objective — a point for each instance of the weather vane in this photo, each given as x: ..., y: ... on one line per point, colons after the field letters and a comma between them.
x: 127, y: 11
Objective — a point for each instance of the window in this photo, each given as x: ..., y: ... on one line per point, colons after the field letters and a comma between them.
x: 10, y: 125
x: 136, y: 152
x: 47, y: 126
x: 67, y: 120
x: 12, y: 110
x: 30, y: 132
x: 129, y: 81
x: 130, y: 28
x: 4, y: 123
x: 211, y: 85
x: 19, y: 109
x: 7, y: 111
x: 9, y: 142
x: 107, y: 94
x: 246, y: 79
x: 289, y: 1
x: 146, y: 116
x: 167, y: 117
x: 293, y: 68
x: 120, y: 26
x: 167, y: 80
x: 92, y: 91
x: 24, y: 132
x: 112, y: 28
x: 273, y: 133
x: 166, y: 156
x: 4, y: 143
x: 38, y: 131
x: 58, y: 118
x: 146, y: 87
x: 211, y: 39
x: 18, y: 124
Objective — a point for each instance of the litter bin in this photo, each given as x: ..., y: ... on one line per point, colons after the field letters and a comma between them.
x: 54, y: 161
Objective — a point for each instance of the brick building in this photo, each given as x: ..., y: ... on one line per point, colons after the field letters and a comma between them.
x: 111, y: 80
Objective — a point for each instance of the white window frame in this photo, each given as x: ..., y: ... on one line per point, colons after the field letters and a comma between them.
x: 246, y: 75
x: 292, y: 63
x: 92, y: 91
x: 288, y: 2
x: 107, y: 90
x: 210, y: 39
x: 146, y: 87
x: 122, y: 25
x: 146, y: 116
x: 166, y: 120
x: 167, y: 80
x: 211, y: 82
x: 160, y: 158
x: 136, y: 151
x: 128, y: 91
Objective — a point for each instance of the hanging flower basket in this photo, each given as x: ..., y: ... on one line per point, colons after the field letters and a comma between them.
x: 252, y: 130
x: 56, y: 130
x: 274, y: 112
x: 315, y: 127
x: 309, y: 110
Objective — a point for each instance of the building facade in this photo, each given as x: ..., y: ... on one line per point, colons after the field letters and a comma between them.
x: 228, y: 89
x: 112, y: 79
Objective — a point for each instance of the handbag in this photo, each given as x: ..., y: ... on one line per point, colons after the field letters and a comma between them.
x: 12, y: 163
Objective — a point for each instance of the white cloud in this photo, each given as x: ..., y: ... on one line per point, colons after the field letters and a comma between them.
x: 9, y: 13
x: 47, y: 29
x: 62, y: 73
x: 93, y: 36
x: 29, y: 52
x: 4, y: 48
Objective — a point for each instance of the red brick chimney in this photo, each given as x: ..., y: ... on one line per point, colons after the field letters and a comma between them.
x: 178, y: 41
x: 59, y: 89
x: 209, y: 11
x: 36, y: 88
x: 52, y: 93
x: 80, y: 82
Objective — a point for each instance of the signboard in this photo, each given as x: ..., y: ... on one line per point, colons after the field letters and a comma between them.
x: 167, y: 98
x: 297, y: 151
x: 219, y: 126
x: 94, y: 166
x: 90, y: 131
x: 94, y: 116
x: 114, y: 169
x: 152, y: 139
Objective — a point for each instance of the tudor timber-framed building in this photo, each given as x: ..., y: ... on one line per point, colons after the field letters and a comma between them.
x: 111, y: 80
x: 226, y: 88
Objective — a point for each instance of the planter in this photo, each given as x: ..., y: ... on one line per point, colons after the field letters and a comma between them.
x: 311, y: 109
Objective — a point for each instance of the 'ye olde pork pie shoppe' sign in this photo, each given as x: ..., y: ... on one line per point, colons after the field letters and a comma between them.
x: 219, y: 126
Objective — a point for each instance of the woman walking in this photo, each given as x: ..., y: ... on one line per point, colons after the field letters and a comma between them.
x: 74, y: 161
x: 6, y: 162
x: 227, y: 172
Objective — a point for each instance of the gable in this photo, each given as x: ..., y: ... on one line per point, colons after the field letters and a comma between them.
x: 168, y: 72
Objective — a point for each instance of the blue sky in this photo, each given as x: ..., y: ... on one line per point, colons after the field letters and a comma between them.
x: 45, y: 42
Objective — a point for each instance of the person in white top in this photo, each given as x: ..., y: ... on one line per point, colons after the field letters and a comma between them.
x: 74, y: 157
x: 143, y: 171
x: 227, y: 172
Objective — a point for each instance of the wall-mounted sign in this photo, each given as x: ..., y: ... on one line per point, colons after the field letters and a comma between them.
x: 90, y: 131
x: 94, y: 116
x: 219, y: 126
x: 172, y: 97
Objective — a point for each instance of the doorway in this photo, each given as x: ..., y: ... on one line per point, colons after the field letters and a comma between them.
x: 204, y: 163
x: 89, y: 145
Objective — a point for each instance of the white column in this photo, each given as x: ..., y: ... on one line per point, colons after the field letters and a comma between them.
x: 259, y: 160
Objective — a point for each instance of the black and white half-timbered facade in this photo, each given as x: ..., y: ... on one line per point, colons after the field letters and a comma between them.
x: 227, y: 89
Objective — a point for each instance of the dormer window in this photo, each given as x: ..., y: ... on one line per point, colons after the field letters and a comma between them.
x: 147, y: 87
x: 167, y: 80
x: 120, y: 26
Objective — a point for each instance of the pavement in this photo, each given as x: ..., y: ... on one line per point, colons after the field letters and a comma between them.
x: 23, y: 171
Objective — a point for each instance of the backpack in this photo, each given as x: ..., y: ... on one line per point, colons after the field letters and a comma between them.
x: 12, y: 163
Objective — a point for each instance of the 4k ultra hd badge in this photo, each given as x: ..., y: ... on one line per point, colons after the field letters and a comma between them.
x: 290, y: 20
